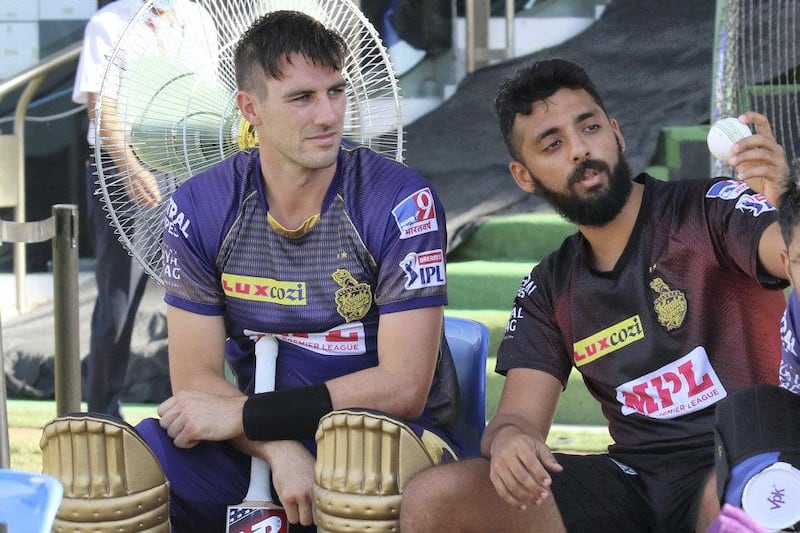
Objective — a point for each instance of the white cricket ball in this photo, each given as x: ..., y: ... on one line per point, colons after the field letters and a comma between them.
x: 724, y: 134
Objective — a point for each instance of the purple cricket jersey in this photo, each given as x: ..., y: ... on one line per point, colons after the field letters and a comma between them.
x: 378, y: 247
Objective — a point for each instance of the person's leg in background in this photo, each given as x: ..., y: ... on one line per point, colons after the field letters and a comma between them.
x: 120, y: 286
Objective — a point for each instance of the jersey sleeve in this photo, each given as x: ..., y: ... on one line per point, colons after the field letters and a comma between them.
x: 411, y: 241
x: 789, y: 375
x: 532, y: 337
x: 737, y: 217
x: 190, y: 276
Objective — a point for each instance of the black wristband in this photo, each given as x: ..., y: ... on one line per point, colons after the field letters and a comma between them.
x: 289, y: 414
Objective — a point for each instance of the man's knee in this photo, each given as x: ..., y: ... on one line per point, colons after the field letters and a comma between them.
x: 433, y: 485
x: 425, y: 497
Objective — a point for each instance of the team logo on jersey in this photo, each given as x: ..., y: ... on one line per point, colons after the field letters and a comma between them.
x: 756, y: 204
x: 684, y: 386
x: 424, y: 269
x: 727, y: 189
x: 345, y: 339
x: 607, y: 341
x: 670, y: 305
x: 416, y: 214
x: 264, y: 289
x: 353, y: 299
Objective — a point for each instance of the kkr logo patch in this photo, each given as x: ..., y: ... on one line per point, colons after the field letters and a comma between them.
x: 756, y: 204
x: 353, y: 299
x: 424, y: 269
x: 607, y: 341
x: 684, y: 386
x: 416, y: 214
x: 264, y: 289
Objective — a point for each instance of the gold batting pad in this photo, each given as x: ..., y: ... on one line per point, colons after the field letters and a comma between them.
x: 112, y: 481
x: 364, y: 459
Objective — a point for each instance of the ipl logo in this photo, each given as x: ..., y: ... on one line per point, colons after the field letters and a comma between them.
x: 424, y: 269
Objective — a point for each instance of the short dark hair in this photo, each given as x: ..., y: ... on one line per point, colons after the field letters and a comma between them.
x: 533, y: 83
x: 275, y: 36
x: 789, y: 210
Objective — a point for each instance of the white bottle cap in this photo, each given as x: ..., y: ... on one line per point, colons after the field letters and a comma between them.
x: 772, y: 497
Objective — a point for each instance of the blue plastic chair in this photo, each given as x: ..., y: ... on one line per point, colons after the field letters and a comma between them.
x: 28, y: 501
x: 469, y: 345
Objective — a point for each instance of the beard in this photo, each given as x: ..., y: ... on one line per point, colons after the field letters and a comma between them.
x: 602, y: 205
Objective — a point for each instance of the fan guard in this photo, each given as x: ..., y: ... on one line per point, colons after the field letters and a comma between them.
x: 180, y: 116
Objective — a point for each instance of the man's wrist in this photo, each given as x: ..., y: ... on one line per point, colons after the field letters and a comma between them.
x: 289, y: 414
x: 506, y: 430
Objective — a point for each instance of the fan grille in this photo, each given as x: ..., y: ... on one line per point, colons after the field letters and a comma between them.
x: 175, y: 100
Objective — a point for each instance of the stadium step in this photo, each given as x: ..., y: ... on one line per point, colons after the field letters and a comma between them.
x: 485, y: 284
x: 485, y: 272
x: 526, y: 237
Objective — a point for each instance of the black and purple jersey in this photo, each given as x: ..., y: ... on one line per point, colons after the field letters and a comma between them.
x: 685, y: 318
x: 378, y: 247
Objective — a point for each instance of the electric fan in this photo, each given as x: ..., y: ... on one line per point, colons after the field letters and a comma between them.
x: 174, y: 108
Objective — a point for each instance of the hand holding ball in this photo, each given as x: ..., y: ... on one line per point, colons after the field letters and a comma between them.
x: 724, y: 134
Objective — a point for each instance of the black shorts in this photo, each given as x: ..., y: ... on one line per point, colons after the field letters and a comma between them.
x: 631, y: 492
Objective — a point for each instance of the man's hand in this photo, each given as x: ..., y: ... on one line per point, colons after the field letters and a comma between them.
x: 293, y: 476
x: 191, y: 416
x: 142, y: 188
x: 759, y: 160
x: 519, y: 466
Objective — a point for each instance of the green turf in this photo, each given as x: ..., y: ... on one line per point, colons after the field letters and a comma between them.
x: 484, y: 284
x: 36, y: 413
x: 26, y: 418
x: 527, y: 238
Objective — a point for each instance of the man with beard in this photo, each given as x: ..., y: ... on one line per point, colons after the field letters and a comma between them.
x: 667, y: 300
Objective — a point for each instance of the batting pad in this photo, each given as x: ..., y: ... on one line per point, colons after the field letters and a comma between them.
x: 112, y: 481
x: 364, y: 459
